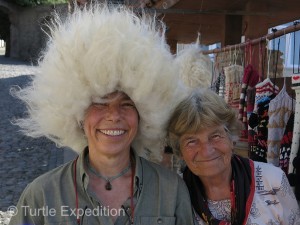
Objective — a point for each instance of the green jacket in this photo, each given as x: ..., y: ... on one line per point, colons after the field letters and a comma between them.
x: 161, y: 198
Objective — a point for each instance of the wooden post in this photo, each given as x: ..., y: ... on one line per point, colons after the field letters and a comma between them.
x: 233, y: 30
x: 173, y: 45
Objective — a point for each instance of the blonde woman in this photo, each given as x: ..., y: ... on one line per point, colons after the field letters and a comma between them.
x: 226, y: 188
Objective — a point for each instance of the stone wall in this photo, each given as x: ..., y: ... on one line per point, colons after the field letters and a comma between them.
x: 27, y: 37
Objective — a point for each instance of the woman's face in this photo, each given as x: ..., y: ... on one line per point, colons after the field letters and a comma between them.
x: 111, y: 126
x: 208, y: 152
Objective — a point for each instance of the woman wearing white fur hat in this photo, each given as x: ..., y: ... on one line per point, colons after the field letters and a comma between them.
x: 106, y: 88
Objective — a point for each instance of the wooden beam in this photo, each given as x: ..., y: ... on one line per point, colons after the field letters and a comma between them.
x: 195, y: 11
x: 256, y: 41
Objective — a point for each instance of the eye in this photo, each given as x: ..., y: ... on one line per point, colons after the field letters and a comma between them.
x: 128, y: 105
x: 190, y: 142
x: 216, y: 137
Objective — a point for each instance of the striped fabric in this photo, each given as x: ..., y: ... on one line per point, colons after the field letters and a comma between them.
x: 280, y: 109
x: 249, y: 81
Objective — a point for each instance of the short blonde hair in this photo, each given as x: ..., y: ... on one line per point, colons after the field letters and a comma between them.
x: 201, y: 109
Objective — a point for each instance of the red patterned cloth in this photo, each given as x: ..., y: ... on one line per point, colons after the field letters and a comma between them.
x: 233, y: 80
x: 250, y: 79
x: 286, y: 145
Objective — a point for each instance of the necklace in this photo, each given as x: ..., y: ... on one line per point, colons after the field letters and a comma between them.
x: 108, y: 180
x: 131, y: 216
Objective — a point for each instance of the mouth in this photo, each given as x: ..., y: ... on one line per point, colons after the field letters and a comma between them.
x: 207, y: 160
x: 112, y: 132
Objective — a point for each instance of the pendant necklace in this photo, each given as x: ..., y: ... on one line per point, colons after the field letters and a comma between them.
x: 108, y: 180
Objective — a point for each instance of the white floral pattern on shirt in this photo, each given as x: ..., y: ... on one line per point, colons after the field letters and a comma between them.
x: 220, y: 209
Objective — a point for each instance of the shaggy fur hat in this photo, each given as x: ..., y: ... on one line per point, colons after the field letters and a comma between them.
x: 195, y: 68
x: 94, y: 52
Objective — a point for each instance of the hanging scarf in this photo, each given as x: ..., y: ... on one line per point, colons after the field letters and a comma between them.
x: 241, y: 176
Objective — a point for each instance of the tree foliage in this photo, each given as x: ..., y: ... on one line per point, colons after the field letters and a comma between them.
x: 37, y: 2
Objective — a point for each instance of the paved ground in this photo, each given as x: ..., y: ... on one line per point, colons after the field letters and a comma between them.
x: 21, y: 158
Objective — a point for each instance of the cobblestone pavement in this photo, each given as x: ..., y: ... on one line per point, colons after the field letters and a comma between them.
x: 21, y: 158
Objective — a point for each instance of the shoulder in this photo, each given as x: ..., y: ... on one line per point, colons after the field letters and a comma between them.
x: 266, y: 168
x: 51, y: 179
x: 268, y: 174
x: 35, y: 192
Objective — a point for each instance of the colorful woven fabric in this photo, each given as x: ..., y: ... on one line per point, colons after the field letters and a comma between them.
x: 286, y: 145
x: 280, y: 109
x: 233, y: 79
x: 296, y: 131
x: 219, y: 85
x: 264, y: 89
x: 259, y: 134
x: 250, y: 79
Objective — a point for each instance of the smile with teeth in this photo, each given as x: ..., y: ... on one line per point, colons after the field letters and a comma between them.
x: 113, y: 132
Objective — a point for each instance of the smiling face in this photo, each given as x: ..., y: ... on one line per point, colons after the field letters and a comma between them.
x: 208, y: 152
x: 111, y: 125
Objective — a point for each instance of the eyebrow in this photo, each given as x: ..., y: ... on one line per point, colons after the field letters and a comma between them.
x: 184, y: 139
x: 191, y: 136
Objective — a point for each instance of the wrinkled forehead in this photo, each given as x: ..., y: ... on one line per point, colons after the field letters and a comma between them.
x: 116, y: 95
x: 207, y: 131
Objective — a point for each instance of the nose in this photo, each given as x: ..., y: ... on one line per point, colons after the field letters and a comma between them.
x: 113, y: 113
x: 205, y: 149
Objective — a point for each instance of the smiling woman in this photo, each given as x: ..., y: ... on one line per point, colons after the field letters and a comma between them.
x: 208, y: 152
x: 110, y: 126
x: 226, y: 188
x: 95, y: 94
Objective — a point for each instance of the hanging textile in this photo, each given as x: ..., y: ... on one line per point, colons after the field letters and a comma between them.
x: 286, y: 145
x: 259, y: 123
x: 233, y: 77
x: 294, y: 177
x: 246, y: 105
x: 219, y: 85
x: 280, y: 109
x: 296, y: 132
x: 263, y: 89
x: 259, y: 119
x: 296, y: 164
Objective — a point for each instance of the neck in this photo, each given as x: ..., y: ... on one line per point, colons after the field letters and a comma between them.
x: 217, y: 187
x: 109, y: 166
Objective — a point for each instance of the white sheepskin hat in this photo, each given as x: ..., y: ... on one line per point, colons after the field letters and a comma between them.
x: 195, y: 68
x: 94, y: 52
